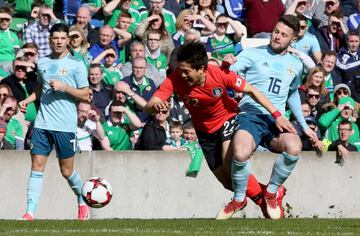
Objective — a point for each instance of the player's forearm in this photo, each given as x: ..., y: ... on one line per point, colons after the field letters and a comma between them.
x: 81, y: 94
x: 260, y: 98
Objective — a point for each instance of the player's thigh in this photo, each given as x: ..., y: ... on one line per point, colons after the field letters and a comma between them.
x: 287, y: 142
x: 65, y: 144
x: 41, y: 143
x: 211, y: 148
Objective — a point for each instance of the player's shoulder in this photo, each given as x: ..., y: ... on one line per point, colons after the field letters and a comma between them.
x: 44, y: 60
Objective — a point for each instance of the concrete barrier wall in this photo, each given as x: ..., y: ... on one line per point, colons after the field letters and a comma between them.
x: 154, y: 185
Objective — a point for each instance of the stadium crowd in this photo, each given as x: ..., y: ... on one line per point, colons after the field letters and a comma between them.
x: 129, y: 47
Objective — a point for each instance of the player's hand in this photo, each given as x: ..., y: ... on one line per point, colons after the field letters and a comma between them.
x: 160, y: 106
x: 228, y: 60
x: 284, y: 124
x: 57, y: 85
x: 311, y: 134
x: 22, y: 106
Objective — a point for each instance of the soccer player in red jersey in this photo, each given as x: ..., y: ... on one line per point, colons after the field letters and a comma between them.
x: 203, y: 89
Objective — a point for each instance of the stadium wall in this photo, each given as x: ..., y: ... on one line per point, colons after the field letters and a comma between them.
x: 153, y: 185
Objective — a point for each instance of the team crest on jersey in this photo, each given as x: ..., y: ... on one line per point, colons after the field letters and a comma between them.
x: 148, y: 88
x: 136, y: 3
x: 291, y: 71
x: 158, y: 64
x: 167, y: 24
x: 110, y: 133
x: 226, y: 40
x: 132, y: 20
x: 63, y: 72
x: 217, y: 92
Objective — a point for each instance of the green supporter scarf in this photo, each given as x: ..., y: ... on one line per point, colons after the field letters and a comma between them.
x: 196, y: 155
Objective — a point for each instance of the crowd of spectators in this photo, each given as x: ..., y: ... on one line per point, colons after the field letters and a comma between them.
x: 129, y: 46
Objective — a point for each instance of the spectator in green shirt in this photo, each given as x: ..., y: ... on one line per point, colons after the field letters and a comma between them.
x: 9, y: 40
x: 118, y: 128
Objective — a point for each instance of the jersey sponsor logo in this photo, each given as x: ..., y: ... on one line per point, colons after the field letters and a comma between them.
x: 217, y: 92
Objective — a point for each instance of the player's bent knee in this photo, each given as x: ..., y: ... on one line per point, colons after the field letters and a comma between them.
x: 66, y: 172
x: 293, y: 146
x: 242, y: 155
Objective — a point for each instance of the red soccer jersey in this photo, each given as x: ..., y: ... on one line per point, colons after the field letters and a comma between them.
x: 209, y: 105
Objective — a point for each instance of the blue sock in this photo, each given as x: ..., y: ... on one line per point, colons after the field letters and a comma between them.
x: 283, y: 166
x: 34, y: 190
x: 240, y: 176
x: 76, y: 184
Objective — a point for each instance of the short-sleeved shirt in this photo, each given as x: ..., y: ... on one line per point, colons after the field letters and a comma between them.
x: 84, y: 135
x: 271, y: 73
x: 220, y: 47
x: 209, y: 105
x: 119, y: 136
x: 159, y: 59
x: 308, y: 44
x: 8, y: 41
x: 14, y: 131
x: 111, y: 77
x: 57, y: 110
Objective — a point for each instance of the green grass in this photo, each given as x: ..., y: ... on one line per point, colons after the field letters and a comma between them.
x: 183, y: 227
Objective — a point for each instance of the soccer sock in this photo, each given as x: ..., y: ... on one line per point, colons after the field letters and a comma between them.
x: 34, y: 190
x: 76, y: 184
x: 282, y: 168
x: 253, y: 190
x: 240, y: 175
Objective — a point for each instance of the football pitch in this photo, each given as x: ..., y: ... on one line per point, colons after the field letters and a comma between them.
x: 183, y: 227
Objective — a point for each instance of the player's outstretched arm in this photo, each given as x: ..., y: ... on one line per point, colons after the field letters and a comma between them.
x: 282, y: 123
x: 155, y: 104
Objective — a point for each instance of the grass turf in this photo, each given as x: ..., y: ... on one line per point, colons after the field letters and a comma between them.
x: 183, y: 227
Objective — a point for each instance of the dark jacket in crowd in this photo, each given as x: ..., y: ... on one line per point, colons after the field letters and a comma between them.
x: 17, y: 89
x: 153, y: 137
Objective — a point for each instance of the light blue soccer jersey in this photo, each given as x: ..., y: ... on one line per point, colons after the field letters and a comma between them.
x: 58, y: 109
x: 308, y: 44
x: 275, y: 75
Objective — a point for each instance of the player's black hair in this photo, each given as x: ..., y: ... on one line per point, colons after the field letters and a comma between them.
x: 301, y: 17
x: 193, y: 53
x: 60, y: 27
x: 292, y: 22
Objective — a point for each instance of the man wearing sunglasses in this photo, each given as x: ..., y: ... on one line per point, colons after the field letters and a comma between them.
x: 307, y: 42
x: 9, y: 40
x: 23, y: 82
x: 39, y: 32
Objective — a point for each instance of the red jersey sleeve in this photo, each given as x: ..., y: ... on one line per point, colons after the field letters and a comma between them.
x: 165, y: 90
x: 232, y: 80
